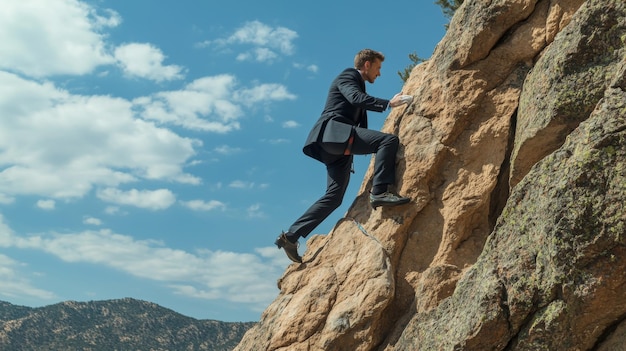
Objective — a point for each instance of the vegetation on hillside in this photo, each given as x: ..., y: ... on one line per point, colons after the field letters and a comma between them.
x: 125, y: 324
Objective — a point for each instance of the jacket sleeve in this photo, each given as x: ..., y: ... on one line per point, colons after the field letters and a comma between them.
x: 352, y: 88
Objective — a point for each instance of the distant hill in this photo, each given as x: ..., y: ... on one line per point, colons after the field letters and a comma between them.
x: 125, y: 324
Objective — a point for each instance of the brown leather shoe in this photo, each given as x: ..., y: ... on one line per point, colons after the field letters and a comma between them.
x: 291, y: 249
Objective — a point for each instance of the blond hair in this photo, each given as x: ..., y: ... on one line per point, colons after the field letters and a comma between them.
x: 366, y: 55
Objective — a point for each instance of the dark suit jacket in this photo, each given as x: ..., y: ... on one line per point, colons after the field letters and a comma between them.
x: 346, y: 108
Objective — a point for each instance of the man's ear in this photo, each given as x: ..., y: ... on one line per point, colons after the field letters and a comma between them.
x: 366, y: 66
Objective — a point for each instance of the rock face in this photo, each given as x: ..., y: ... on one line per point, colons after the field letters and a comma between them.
x: 514, y: 154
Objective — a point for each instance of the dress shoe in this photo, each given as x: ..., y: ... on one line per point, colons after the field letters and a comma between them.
x: 387, y: 199
x: 291, y: 249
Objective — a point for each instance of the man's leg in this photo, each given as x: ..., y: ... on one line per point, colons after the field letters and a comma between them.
x: 385, y: 146
x: 337, y: 183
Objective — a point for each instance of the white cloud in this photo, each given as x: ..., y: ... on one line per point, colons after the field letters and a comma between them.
x: 262, y: 35
x: 264, y: 54
x: 227, y: 150
x: 146, y: 61
x: 268, y: 42
x: 112, y: 18
x: 92, y: 221
x: 243, y: 56
x: 310, y: 68
x: 254, y: 211
x: 238, y: 277
x: 15, y: 285
x: 279, y: 141
x: 203, y: 44
x: 150, y: 199
x: 264, y: 93
x: 59, y: 145
x: 112, y: 210
x: 240, y: 184
x: 49, y: 37
x: 291, y: 124
x: 259, y: 54
x: 211, y: 104
x: 201, y: 205
x: 46, y: 204
x: 6, y: 200
x: 205, y: 104
x: 69, y: 35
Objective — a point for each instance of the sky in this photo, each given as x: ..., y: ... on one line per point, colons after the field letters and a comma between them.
x: 152, y: 149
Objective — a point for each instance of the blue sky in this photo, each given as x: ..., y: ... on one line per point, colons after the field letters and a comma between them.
x: 152, y: 148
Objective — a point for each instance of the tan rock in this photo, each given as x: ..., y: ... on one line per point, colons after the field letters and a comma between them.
x: 513, y: 156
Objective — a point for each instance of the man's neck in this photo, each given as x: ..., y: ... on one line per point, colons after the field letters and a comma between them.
x: 362, y: 75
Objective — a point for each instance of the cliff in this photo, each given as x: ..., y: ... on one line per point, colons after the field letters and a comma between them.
x: 514, y: 155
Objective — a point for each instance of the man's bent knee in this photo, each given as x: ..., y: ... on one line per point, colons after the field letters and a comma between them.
x: 393, y: 140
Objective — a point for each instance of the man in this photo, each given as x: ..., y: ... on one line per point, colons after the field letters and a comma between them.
x: 341, y: 132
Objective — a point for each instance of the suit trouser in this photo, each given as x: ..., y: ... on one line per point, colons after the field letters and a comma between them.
x: 338, y: 168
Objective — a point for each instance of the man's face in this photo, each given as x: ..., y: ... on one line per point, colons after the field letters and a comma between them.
x: 371, y: 70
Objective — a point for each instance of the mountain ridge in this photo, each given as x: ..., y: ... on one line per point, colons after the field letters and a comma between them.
x: 119, y: 324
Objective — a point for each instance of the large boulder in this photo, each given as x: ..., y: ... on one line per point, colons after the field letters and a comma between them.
x: 514, y: 154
